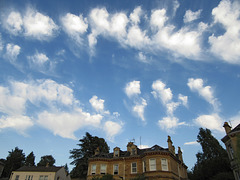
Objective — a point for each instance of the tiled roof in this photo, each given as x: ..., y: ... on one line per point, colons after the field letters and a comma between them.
x: 154, y: 148
x: 39, y: 169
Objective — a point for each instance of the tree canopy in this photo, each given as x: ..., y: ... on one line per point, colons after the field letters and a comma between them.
x: 212, y: 163
x: 47, y: 160
x: 30, y: 160
x: 14, y: 161
x: 87, y: 146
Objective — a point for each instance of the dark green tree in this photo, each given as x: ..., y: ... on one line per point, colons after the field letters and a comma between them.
x: 47, y: 160
x: 212, y: 161
x: 30, y: 160
x: 66, y: 168
x: 14, y: 161
x: 87, y: 146
x: 105, y: 177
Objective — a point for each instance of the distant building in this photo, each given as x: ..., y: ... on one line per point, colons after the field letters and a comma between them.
x: 40, y: 173
x: 232, y: 143
x: 152, y: 163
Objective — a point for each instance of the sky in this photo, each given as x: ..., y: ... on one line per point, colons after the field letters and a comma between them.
x: 121, y: 70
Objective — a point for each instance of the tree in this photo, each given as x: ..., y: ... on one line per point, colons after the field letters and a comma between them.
x: 88, y: 144
x: 30, y: 160
x: 213, y: 162
x: 66, y: 168
x: 105, y: 177
x: 47, y: 160
x: 14, y: 161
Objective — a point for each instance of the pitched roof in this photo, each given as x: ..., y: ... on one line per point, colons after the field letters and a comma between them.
x: 237, y: 128
x: 154, y: 148
x: 39, y: 169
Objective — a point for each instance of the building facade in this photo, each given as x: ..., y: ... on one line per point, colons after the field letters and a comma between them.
x: 152, y: 163
x: 40, y: 173
x: 232, y: 143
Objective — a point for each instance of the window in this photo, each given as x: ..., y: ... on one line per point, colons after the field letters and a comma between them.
x: 41, y: 177
x: 45, y: 177
x: 29, y: 177
x: 116, y: 152
x: 17, y: 177
x: 103, y: 168
x: 134, y: 167
x: 93, y: 169
x: 115, y: 169
x: 152, y: 164
x: 164, y: 164
x: 133, y: 151
x: 144, y: 166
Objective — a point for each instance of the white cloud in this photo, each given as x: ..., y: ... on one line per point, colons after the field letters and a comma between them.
x: 168, y: 123
x: 158, y: 18
x: 38, y: 59
x: 97, y: 104
x: 14, y: 23
x: 112, y: 129
x: 133, y: 88
x: 191, y: 16
x: 183, y: 99
x: 74, y: 26
x: 160, y: 91
x: 11, y: 103
x: 143, y: 146
x: 135, y: 15
x: 12, y: 51
x: 212, y: 122
x: 143, y: 58
x: 65, y: 124
x: 20, y: 123
x: 139, y: 108
x: 191, y: 143
x: 206, y: 92
x: 227, y: 45
x: 171, y: 107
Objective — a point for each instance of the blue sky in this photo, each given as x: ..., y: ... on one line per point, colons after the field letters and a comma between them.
x: 120, y: 70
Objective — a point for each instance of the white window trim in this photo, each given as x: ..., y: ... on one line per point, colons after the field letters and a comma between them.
x: 164, y: 166
x: 152, y: 167
x: 93, y: 170
x: 132, y: 168
x: 144, y: 166
x: 104, y: 170
x: 115, y: 165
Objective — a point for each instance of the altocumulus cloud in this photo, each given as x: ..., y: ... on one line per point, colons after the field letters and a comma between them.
x: 59, y: 112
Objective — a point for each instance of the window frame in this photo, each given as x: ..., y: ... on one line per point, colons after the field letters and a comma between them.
x: 144, y: 166
x: 163, y: 165
x: 93, y: 170
x: 41, y: 177
x: 104, y: 170
x: 152, y: 164
x: 115, y: 165
x: 132, y: 168
x: 17, y: 177
x: 116, y: 153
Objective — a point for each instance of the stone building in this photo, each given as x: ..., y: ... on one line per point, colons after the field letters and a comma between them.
x: 232, y: 143
x: 40, y: 173
x: 152, y: 163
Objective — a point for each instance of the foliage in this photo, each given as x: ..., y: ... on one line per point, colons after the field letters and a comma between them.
x: 30, y: 160
x: 14, y: 161
x: 88, y: 144
x: 105, y: 177
x: 212, y: 161
x: 66, y: 168
x: 140, y: 177
x: 47, y: 160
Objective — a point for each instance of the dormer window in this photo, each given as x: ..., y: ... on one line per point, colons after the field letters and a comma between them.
x: 116, y: 152
x: 133, y: 151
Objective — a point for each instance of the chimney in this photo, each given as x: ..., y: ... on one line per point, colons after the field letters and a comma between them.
x: 180, y: 154
x: 227, y: 127
x: 170, y: 147
x: 97, y: 151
